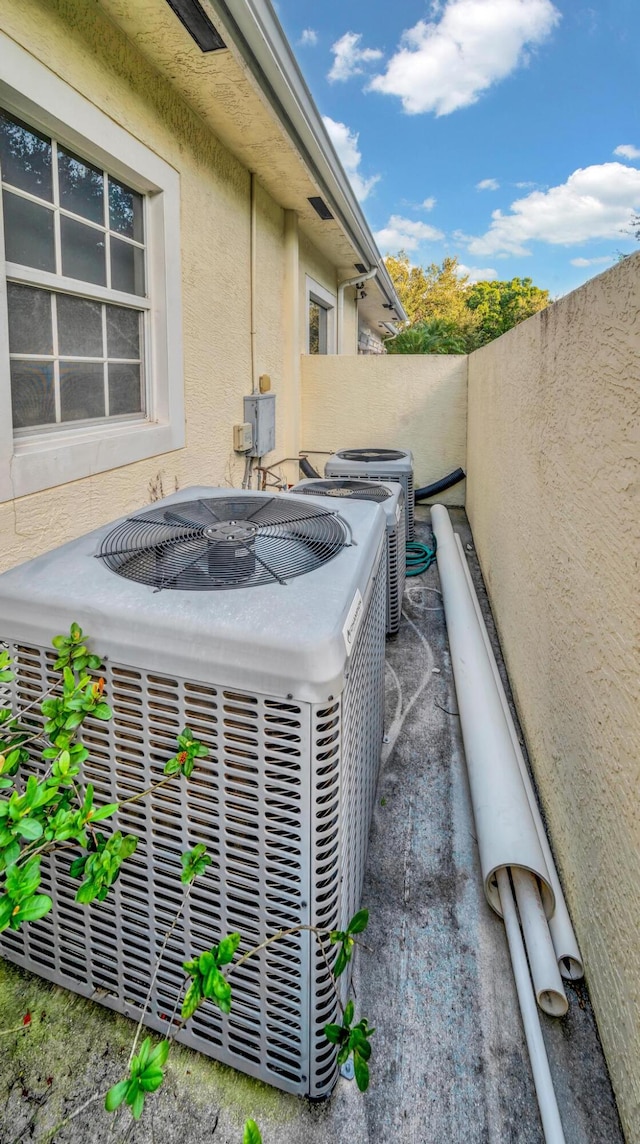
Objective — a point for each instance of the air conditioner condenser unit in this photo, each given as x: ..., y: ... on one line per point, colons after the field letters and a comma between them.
x: 259, y: 622
x: 391, y: 498
x: 377, y: 465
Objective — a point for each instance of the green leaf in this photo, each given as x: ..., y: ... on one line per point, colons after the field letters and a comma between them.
x: 359, y: 922
x: 35, y: 908
x: 151, y: 1079
x: 227, y: 948
x: 116, y: 1095
x: 159, y: 1055
x: 348, y: 1013
x: 251, y: 1133
x: 334, y: 1033
x: 192, y: 999
x: 103, y: 812
x: 30, y: 829
x: 138, y: 1105
x: 361, y: 1069
x: 102, y: 711
x: 342, y: 960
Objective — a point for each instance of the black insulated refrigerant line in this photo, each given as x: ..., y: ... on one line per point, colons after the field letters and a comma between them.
x: 439, y: 486
x: 307, y: 469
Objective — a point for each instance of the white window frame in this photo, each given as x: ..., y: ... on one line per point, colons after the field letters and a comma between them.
x: 45, y: 459
x: 327, y: 302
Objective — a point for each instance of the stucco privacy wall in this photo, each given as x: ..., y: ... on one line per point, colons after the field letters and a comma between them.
x: 77, y: 42
x: 553, y: 496
x: 401, y: 401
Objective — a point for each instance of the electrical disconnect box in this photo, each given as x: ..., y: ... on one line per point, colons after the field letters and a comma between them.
x: 260, y: 413
x: 242, y: 437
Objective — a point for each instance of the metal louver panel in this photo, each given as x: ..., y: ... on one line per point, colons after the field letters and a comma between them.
x: 347, y: 757
x: 362, y: 464
x: 283, y: 805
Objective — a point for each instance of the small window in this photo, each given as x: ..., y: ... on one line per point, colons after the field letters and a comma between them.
x: 320, y: 319
x: 91, y: 362
x: 73, y: 357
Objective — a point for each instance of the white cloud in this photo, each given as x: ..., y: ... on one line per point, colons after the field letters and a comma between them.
x: 476, y: 273
x: 595, y: 202
x: 348, y: 57
x: 309, y: 38
x: 405, y: 234
x: 487, y: 185
x: 441, y: 66
x: 592, y: 261
x: 428, y: 204
x: 346, y: 144
x: 628, y: 151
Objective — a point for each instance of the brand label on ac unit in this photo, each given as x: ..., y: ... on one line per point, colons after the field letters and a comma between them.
x: 354, y: 618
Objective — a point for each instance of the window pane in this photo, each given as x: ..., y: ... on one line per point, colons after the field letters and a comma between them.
x: 25, y: 157
x: 314, y: 328
x: 125, y: 211
x: 32, y: 393
x: 127, y: 267
x: 79, y: 326
x: 124, y: 389
x: 81, y: 390
x: 81, y: 187
x: 29, y: 320
x: 28, y: 233
x: 123, y: 332
x: 83, y: 251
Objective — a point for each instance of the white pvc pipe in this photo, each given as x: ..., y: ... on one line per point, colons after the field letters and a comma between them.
x: 543, y: 963
x: 340, y: 308
x: 547, y: 1103
x: 560, y: 925
x: 504, y: 825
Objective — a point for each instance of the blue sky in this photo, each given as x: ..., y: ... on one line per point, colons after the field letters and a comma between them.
x: 486, y: 129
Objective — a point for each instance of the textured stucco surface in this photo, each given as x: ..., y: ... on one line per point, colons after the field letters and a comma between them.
x: 415, y: 402
x: 77, y: 42
x: 553, y: 495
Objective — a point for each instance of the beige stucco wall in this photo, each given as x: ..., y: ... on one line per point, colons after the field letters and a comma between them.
x: 77, y: 42
x: 415, y: 402
x: 553, y: 499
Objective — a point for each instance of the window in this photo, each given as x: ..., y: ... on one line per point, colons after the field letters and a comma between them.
x: 320, y: 319
x: 90, y: 354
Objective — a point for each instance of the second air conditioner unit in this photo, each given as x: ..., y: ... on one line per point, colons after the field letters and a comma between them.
x: 259, y: 622
x: 391, y: 499
x: 377, y: 465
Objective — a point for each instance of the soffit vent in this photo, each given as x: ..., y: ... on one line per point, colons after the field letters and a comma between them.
x: 223, y: 542
x: 198, y: 25
x: 360, y: 490
x: 320, y: 207
x: 360, y: 267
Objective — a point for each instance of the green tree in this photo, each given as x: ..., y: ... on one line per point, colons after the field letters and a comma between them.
x: 499, y: 306
x: 436, y: 336
x: 453, y: 313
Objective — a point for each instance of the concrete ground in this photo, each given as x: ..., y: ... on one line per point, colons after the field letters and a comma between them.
x: 449, y: 1061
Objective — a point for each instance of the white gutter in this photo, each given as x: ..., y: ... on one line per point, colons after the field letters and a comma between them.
x: 257, y: 35
x: 359, y: 280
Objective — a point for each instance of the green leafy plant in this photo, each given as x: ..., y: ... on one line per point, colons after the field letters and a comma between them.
x: 352, y: 1040
x: 345, y: 938
x: 207, y: 979
x: 146, y: 1074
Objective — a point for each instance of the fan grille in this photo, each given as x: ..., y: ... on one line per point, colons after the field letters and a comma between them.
x: 360, y: 490
x: 223, y: 542
x: 371, y: 455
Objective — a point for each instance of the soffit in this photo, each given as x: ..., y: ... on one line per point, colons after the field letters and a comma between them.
x: 222, y: 91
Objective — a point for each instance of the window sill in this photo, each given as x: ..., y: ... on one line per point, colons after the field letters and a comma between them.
x: 51, y: 460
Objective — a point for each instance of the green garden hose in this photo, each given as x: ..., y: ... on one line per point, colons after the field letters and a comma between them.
x: 419, y: 557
